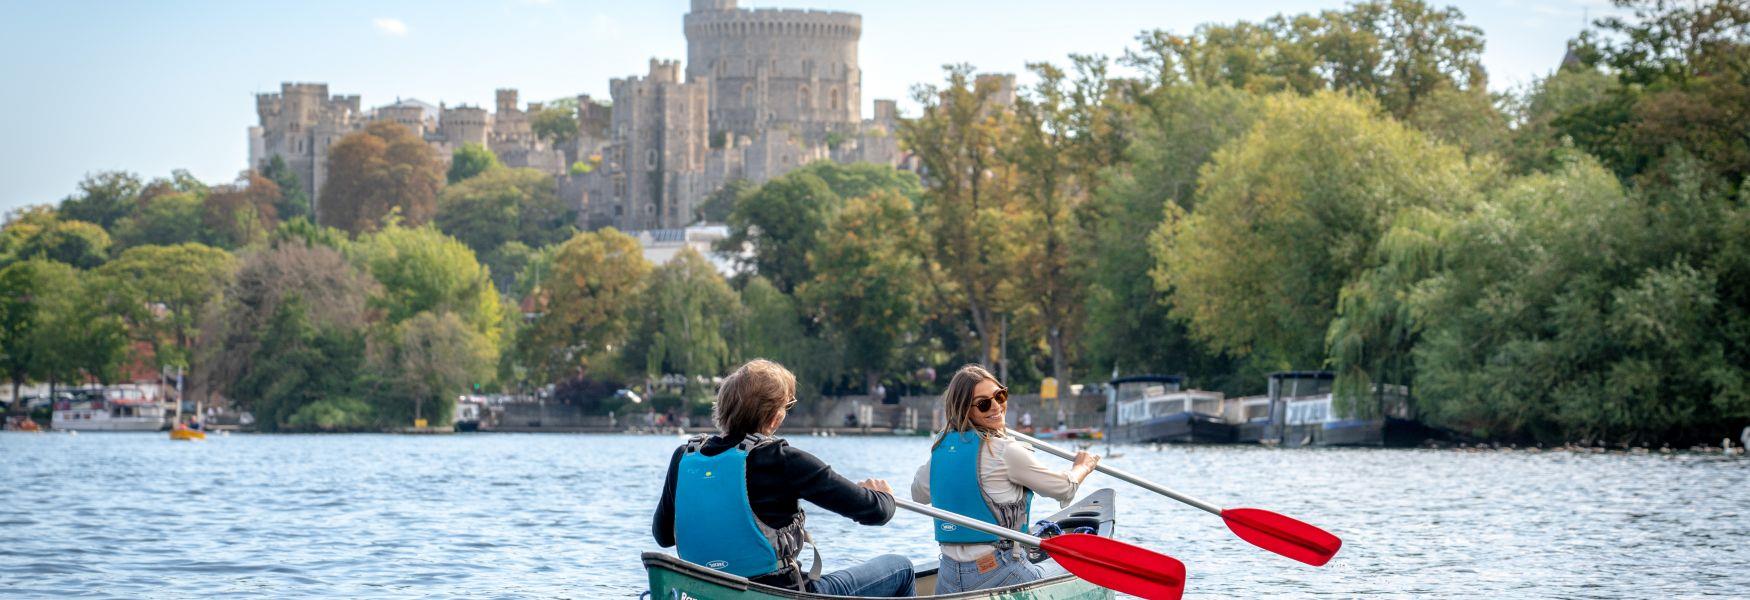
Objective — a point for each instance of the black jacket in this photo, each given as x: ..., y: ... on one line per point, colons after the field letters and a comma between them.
x: 777, y: 477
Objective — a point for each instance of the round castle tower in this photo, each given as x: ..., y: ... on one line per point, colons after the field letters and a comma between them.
x: 773, y: 67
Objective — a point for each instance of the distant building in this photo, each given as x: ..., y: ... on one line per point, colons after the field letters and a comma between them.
x: 663, y: 245
x: 764, y: 91
x: 299, y: 123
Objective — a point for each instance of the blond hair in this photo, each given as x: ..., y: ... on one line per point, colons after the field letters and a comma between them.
x: 751, y: 396
x: 957, y: 402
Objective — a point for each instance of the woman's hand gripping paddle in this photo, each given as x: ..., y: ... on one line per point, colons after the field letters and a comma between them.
x: 1264, y: 529
x: 1105, y: 562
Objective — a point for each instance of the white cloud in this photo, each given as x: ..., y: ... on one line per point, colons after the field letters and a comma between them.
x: 392, y: 27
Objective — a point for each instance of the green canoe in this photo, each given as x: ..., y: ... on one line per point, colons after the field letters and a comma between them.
x: 674, y: 579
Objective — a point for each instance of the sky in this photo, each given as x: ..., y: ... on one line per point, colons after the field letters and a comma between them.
x: 148, y: 87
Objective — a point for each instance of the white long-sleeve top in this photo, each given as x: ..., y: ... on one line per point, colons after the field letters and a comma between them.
x: 1006, y: 469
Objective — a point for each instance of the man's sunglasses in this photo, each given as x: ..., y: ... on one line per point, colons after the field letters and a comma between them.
x: 788, y: 406
x: 984, y: 402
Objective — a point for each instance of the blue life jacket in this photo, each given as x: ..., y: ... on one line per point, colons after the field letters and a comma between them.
x: 954, y: 488
x: 715, y: 525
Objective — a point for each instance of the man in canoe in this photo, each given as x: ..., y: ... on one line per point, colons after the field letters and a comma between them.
x: 730, y: 500
x: 979, y: 471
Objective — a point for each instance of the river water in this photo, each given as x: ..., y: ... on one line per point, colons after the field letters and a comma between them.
x: 565, y: 516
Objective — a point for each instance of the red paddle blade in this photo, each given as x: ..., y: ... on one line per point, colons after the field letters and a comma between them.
x: 1283, y: 535
x: 1115, y: 565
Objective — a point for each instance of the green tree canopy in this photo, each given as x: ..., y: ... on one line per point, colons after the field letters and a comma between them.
x: 103, y: 198
x: 164, y: 220
x: 470, y: 160
x: 505, y: 205
x: 423, y: 270
x: 29, y: 293
x: 581, y: 307
x: 294, y: 201
x: 160, y: 292
x: 684, y: 320
x: 1291, y: 212
x: 869, y: 281
x: 1177, y: 129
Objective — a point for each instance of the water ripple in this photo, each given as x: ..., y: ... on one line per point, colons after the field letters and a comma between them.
x: 565, y: 516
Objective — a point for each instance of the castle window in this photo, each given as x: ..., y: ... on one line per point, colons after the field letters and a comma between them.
x: 650, y: 159
x: 802, y: 98
x: 747, y: 95
x: 834, y: 100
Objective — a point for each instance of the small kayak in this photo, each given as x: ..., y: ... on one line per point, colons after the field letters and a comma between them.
x: 671, y: 577
x: 186, y: 434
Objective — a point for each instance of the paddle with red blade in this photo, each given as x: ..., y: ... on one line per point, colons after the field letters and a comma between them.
x: 1271, y: 531
x: 1105, y: 562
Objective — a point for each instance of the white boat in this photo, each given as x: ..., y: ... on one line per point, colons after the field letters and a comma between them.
x: 109, y: 409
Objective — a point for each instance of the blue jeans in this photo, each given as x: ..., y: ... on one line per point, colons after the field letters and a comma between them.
x: 955, y: 576
x: 885, y: 576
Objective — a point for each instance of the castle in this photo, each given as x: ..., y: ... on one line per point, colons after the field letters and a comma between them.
x: 764, y: 91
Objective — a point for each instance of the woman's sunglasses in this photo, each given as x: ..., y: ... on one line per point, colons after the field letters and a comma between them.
x: 788, y: 406
x: 984, y: 402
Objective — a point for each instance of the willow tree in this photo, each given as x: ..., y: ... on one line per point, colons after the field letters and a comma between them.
x: 683, y: 320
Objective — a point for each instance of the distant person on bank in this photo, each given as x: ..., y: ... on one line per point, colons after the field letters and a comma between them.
x: 730, y: 500
x: 975, y: 469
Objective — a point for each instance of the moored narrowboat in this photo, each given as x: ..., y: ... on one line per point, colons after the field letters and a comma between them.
x: 1154, y: 409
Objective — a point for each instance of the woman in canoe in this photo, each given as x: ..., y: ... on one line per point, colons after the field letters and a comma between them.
x: 730, y: 499
x: 975, y: 469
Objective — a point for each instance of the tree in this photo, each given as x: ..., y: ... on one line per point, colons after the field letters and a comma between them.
x: 780, y: 219
x: 470, y: 160
x: 556, y: 123
x: 164, y: 220
x: 1677, y: 42
x: 1177, y: 129
x: 1062, y: 137
x: 581, y: 307
x: 773, y: 327
x: 717, y: 206
x: 429, y: 359
x: 241, y: 213
x: 1399, y: 51
x: 1568, y: 309
x: 1467, y: 119
x: 305, y: 376
x: 331, y: 295
x: 29, y: 294
x: 1289, y: 214
x: 685, y: 318
x: 77, y: 243
x: 505, y: 205
x: 103, y: 198
x: 423, y: 270
x: 969, y: 194
x: 160, y: 291
x: 294, y: 201
x: 382, y: 170
x: 868, y: 281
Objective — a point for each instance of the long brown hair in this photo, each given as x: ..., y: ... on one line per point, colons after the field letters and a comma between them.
x: 957, y: 403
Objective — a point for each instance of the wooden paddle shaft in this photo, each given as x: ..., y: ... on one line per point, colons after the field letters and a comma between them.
x: 1150, y: 485
x: 969, y: 523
